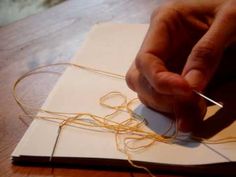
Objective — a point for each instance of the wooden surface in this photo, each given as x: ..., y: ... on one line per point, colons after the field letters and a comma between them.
x: 49, y: 37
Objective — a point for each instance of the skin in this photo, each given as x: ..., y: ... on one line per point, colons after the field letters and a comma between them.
x: 181, y: 53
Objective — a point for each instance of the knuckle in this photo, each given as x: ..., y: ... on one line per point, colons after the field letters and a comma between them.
x: 139, y: 61
x: 155, y: 12
x: 143, y: 100
x: 164, y: 9
x: 147, y: 102
x: 130, y: 78
x: 204, y: 54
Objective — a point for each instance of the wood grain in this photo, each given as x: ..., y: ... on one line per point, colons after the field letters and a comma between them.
x: 49, y: 37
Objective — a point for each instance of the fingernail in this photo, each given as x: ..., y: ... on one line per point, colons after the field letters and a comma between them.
x: 196, y: 79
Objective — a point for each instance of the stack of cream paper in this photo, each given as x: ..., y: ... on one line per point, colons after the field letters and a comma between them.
x: 109, y: 47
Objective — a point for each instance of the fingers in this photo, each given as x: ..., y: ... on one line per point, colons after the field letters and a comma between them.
x: 189, y: 113
x: 163, y: 81
x: 161, y: 89
x: 157, y: 39
x: 206, y: 54
x: 157, y: 49
x: 146, y: 93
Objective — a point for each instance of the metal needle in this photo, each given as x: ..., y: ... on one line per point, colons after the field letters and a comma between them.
x: 55, y: 144
x: 209, y: 99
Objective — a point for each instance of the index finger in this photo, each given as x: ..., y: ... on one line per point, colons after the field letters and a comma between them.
x: 151, y: 58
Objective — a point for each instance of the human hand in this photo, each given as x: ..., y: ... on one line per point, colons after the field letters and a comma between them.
x: 180, y: 53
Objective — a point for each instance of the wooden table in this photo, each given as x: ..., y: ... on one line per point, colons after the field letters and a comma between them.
x: 49, y: 37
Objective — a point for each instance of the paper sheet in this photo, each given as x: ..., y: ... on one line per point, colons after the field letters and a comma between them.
x: 109, y: 47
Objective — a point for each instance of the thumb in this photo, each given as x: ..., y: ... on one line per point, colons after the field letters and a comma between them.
x: 206, y: 54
